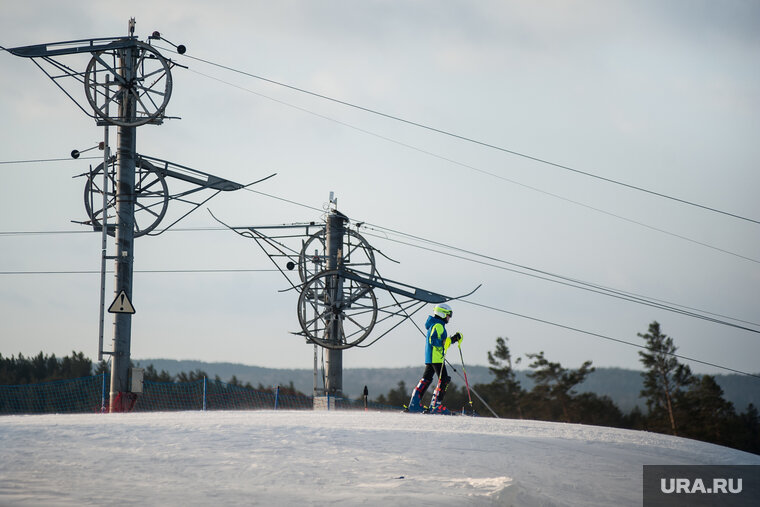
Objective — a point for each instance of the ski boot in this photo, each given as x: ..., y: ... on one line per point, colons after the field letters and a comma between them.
x: 415, y: 404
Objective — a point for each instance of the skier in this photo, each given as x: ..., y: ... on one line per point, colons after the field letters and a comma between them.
x: 436, y: 345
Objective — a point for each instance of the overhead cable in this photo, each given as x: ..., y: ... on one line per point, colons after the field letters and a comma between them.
x: 94, y: 272
x: 472, y: 140
x: 67, y: 159
x: 579, y: 284
x: 604, y: 337
x: 482, y: 171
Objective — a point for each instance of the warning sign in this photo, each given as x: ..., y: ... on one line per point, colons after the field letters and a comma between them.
x: 121, y: 304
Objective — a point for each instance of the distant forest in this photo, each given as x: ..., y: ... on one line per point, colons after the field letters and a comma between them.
x: 677, y: 402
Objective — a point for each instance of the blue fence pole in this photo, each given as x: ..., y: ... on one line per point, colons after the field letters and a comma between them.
x: 103, y: 395
x: 204, y: 394
x: 276, y: 397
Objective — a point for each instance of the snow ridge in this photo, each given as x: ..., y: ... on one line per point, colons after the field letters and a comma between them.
x: 321, y: 458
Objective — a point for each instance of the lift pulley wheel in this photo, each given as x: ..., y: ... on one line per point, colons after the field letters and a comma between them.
x: 151, y: 197
x: 109, y: 81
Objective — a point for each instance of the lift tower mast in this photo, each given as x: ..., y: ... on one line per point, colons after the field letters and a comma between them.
x: 334, y: 231
x: 125, y: 232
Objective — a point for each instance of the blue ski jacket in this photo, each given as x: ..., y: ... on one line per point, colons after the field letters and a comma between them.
x: 436, y: 339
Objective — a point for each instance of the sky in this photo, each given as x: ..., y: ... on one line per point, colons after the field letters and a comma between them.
x: 344, y: 458
x: 662, y: 96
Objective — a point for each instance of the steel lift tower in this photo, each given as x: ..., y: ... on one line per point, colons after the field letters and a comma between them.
x: 342, y: 298
x: 334, y: 231
x: 127, y: 83
x: 125, y: 232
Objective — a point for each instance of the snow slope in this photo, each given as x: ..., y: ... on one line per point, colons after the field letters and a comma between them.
x: 321, y: 458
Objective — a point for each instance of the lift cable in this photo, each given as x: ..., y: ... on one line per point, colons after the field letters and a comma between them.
x: 67, y: 159
x: 471, y: 140
x: 482, y: 171
x: 93, y: 272
x: 604, y: 337
x: 579, y: 284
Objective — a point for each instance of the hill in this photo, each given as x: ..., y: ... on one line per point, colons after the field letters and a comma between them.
x: 337, y: 458
x: 621, y: 385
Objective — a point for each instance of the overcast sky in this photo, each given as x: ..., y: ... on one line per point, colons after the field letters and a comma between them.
x: 658, y: 95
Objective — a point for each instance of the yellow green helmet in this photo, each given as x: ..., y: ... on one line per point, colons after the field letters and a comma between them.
x: 443, y: 310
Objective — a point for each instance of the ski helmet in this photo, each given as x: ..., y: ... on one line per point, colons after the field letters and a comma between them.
x: 443, y: 310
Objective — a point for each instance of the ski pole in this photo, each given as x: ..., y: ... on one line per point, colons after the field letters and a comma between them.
x: 437, y: 391
x: 466, y: 383
x: 476, y: 394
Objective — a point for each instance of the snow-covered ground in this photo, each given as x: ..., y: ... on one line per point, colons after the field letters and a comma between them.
x: 326, y: 458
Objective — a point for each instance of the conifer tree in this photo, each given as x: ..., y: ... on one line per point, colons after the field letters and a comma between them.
x: 665, y: 378
x: 506, y: 380
x: 557, y: 382
x: 396, y: 397
x: 710, y: 415
x: 152, y: 375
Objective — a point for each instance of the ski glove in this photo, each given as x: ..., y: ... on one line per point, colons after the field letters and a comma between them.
x: 457, y: 337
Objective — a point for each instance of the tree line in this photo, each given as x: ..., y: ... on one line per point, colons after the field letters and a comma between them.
x: 152, y: 375
x: 677, y: 401
x: 42, y: 368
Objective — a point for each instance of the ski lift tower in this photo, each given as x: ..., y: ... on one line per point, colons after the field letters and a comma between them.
x: 128, y: 84
x: 334, y: 231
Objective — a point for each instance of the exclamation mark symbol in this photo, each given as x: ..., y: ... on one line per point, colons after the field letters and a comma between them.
x: 122, y: 301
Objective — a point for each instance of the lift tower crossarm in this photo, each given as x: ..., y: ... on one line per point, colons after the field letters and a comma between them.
x: 203, y: 180
x: 73, y: 47
x: 399, y: 288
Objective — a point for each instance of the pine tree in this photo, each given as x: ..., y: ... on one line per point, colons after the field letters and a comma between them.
x: 555, y: 382
x: 710, y: 415
x: 152, y: 375
x: 102, y: 367
x: 396, y: 397
x: 747, y: 433
x: 193, y: 376
x: 506, y: 382
x: 665, y: 378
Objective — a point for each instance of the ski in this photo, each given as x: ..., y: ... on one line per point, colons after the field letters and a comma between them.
x: 426, y: 410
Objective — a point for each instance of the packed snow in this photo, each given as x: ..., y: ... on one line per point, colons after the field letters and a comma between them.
x: 321, y: 458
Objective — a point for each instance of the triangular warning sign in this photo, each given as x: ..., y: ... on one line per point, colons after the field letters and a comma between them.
x: 121, y: 304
